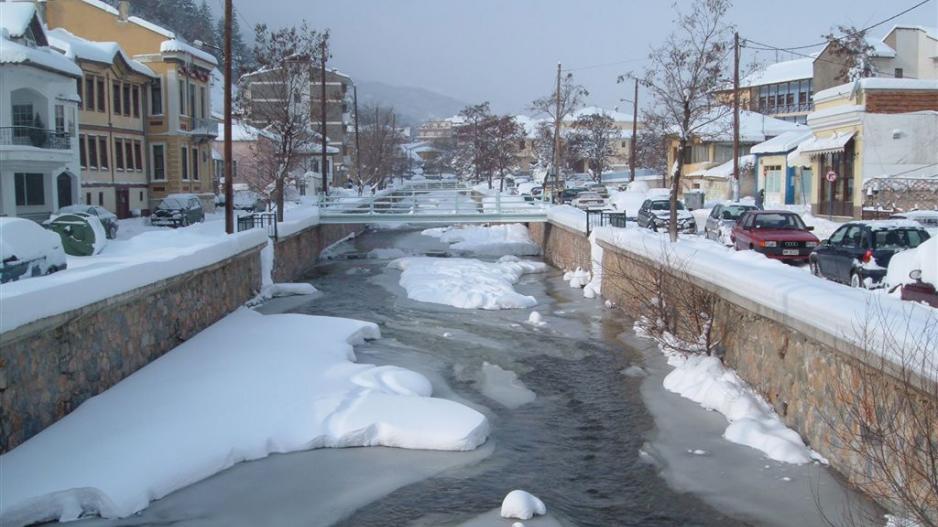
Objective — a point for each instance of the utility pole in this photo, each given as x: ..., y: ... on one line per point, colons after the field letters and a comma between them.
x: 558, y: 187
x: 229, y: 183
x: 634, y: 133
x: 358, y: 148
x: 322, y: 110
x: 736, y: 117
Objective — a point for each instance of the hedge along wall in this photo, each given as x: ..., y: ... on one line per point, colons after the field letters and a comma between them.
x: 808, y: 376
x: 50, y: 366
x: 296, y: 255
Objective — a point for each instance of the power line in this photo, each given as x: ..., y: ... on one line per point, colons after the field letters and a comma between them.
x: 769, y: 47
x: 864, y: 30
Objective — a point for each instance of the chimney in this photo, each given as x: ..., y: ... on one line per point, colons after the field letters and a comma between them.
x: 123, y: 9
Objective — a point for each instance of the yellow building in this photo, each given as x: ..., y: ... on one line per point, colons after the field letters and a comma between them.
x: 176, y: 106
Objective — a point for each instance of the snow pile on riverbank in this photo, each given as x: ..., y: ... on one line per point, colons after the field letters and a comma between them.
x: 522, y: 505
x: 495, y: 240
x: 466, y: 283
x: 248, y: 386
x: 752, y: 422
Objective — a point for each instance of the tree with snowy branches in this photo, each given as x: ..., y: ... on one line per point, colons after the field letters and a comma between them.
x: 591, y: 138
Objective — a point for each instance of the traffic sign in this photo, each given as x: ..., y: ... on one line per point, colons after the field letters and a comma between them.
x: 832, y: 176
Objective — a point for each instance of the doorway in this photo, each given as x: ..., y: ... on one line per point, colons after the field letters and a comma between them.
x: 63, y: 184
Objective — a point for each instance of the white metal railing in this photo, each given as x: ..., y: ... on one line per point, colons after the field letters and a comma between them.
x: 459, y: 203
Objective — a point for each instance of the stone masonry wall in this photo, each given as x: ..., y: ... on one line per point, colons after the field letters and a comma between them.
x: 296, y: 255
x: 563, y: 247
x: 51, y: 366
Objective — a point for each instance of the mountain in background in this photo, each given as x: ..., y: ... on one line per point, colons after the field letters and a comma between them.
x: 414, y: 105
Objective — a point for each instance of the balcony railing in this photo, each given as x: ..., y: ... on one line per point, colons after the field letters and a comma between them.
x: 204, y: 126
x: 37, y: 137
x: 804, y: 107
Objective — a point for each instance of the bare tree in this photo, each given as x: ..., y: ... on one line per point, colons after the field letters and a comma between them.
x: 592, y: 138
x: 851, y: 49
x: 651, y: 147
x: 559, y: 106
x: 276, y: 97
x: 380, y: 146
x: 682, y: 75
x: 473, y: 142
x: 505, y: 139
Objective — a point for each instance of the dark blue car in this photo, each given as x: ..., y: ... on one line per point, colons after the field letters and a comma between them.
x: 858, y: 253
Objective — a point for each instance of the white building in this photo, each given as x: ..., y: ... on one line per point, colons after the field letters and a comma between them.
x: 39, y: 163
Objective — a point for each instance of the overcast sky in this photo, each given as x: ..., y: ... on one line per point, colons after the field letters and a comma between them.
x: 506, y: 51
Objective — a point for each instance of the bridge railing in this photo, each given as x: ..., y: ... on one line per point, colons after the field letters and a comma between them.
x: 457, y: 202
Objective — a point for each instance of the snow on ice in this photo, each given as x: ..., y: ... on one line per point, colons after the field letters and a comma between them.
x: 496, y: 240
x: 578, y: 278
x: 522, y: 505
x: 246, y: 387
x: 504, y: 386
x: 536, y: 319
x: 466, y: 283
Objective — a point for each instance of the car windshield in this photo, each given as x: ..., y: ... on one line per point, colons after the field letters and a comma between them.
x: 777, y: 221
x: 898, y: 238
x: 665, y: 205
x: 734, y: 212
x: 172, y: 204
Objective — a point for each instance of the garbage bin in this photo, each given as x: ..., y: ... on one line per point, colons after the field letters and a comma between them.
x: 82, y: 234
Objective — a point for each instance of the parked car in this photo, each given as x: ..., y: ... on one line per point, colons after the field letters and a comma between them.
x: 28, y: 250
x: 248, y: 200
x: 589, y: 200
x: 655, y: 214
x: 915, y: 273
x: 778, y: 234
x: 598, y: 188
x: 570, y: 194
x: 926, y: 218
x: 722, y: 219
x: 537, y: 191
x: 858, y: 253
x: 178, y: 210
x: 108, y: 219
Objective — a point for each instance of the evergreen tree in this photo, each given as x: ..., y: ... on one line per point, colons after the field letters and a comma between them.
x: 242, y: 56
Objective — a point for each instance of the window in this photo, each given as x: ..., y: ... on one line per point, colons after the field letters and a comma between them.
x: 723, y: 153
x: 102, y: 106
x: 852, y: 238
x: 102, y: 151
x: 156, y: 97
x: 699, y: 153
x: 899, y: 73
x: 119, y: 154
x: 101, y: 198
x: 159, y: 162
x: 87, y: 198
x: 138, y: 156
x: 88, y: 100
x: 29, y: 189
x: 83, y: 159
x: 136, y: 100
x: 182, y: 97
x: 22, y: 121
x: 192, y: 108
x: 184, y: 161
x: 126, y: 91
x: 116, y: 96
x: 128, y: 154
x: 141, y: 196
x: 195, y: 164
x: 92, y: 152
x: 60, y: 118
x: 202, y: 105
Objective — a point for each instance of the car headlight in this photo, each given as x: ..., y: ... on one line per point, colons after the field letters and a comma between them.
x: 811, y: 244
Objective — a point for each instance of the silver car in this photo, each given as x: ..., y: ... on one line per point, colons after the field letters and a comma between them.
x: 721, y: 220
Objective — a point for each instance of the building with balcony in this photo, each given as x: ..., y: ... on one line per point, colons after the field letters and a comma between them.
x: 112, y: 123
x: 39, y: 164
x: 175, y: 105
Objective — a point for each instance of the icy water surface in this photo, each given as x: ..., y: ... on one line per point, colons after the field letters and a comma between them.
x: 584, y: 444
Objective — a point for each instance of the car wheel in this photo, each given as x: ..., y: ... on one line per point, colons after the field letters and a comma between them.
x: 815, y: 269
x: 855, y: 280
x: 185, y: 221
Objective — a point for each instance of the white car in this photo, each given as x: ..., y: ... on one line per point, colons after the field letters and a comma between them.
x: 589, y: 200
x: 28, y: 250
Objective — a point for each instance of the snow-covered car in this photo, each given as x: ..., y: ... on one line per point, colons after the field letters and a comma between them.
x: 655, y: 214
x: 722, y: 219
x: 589, y: 200
x: 915, y: 273
x: 28, y: 250
x: 248, y: 200
x: 926, y: 218
x: 859, y: 252
x: 598, y: 188
x: 108, y: 219
x: 178, y: 210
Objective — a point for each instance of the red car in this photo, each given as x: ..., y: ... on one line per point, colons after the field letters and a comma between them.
x: 778, y: 234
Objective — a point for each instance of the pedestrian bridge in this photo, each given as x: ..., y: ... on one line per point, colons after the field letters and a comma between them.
x: 430, y: 203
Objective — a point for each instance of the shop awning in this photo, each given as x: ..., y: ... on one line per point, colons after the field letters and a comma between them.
x: 825, y: 145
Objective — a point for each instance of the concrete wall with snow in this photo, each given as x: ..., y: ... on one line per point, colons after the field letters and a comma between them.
x: 562, y: 246
x: 50, y: 366
x: 296, y: 254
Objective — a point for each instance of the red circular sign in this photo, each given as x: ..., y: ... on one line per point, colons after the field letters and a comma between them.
x: 832, y: 176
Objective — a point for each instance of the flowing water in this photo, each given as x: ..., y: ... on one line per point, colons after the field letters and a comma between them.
x: 586, y: 444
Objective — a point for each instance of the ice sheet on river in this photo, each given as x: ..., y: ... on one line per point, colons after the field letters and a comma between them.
x: 495, y: 240
x: 248, y: 386
x: 467, y: 283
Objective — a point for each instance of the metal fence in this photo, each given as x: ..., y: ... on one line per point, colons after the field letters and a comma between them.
x: 37, y: 137
x: 259, y: 220
x: 604, y: 218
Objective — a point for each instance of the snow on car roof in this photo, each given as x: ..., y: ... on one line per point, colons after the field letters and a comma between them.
x: 879, y: 225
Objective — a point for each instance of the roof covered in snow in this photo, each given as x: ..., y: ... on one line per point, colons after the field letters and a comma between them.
x: 754, y: 127
x: 241, y: 131
x: 875, y: 83
x: 615, y: 115
x: 15, y: 17
x: 789, y: 70
x: 783, y: 143
x: 178, y: 46
x: 75, y: 47
x: 726, y: 169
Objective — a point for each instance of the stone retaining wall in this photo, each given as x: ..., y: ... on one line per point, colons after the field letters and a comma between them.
x: 49, y: 367
x: 296, y: 255
x: 562, y: 246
